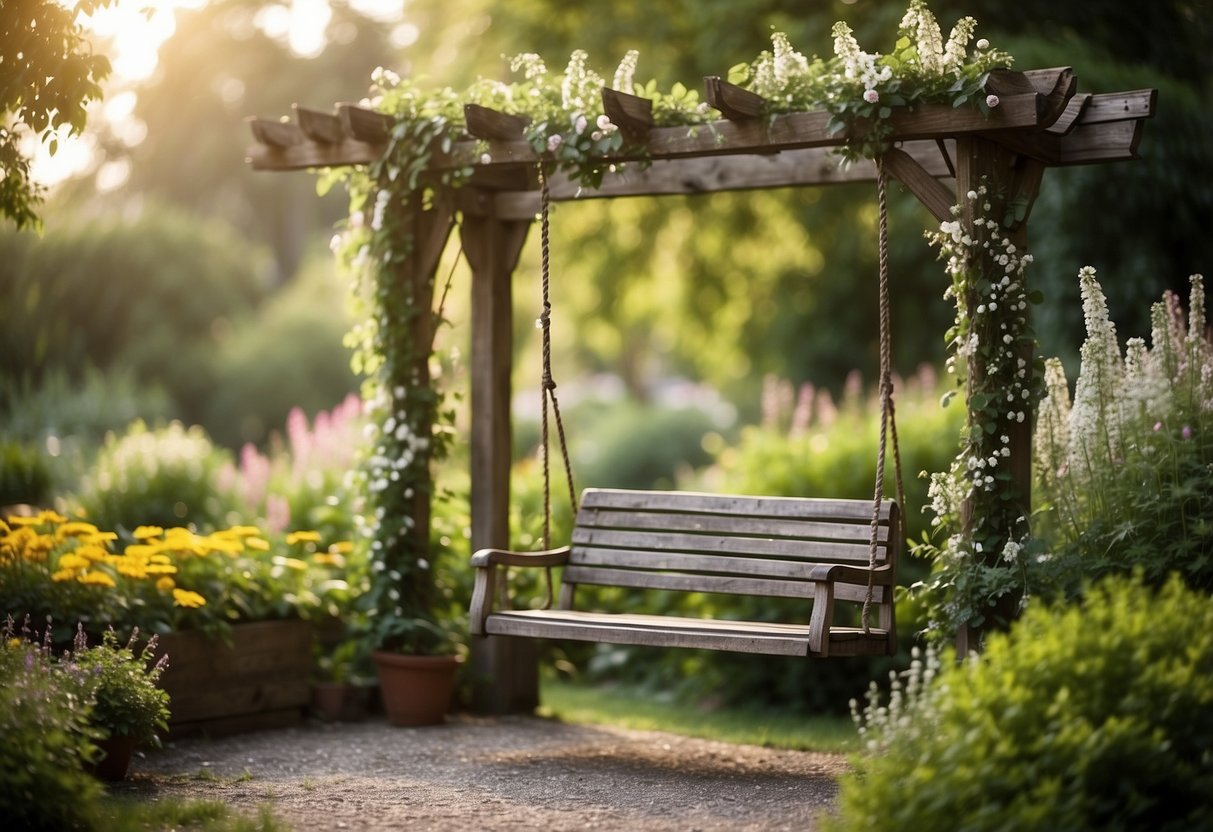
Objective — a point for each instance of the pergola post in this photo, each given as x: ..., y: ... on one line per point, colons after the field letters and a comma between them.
x: 1010, y: 180
x: 507, y: 670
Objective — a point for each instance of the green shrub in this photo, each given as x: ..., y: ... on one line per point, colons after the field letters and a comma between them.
x: 127, y: 701
x: 1096, y: 716
x: 25, y: 475
x: 290, y: 356
x: 161, y: 477
x: 44, y: 718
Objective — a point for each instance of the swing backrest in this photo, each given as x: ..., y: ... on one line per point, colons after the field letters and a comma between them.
x: 693, y: 542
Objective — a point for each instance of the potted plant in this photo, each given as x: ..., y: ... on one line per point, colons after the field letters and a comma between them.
x: 342, y: 683
x: 129, y: 707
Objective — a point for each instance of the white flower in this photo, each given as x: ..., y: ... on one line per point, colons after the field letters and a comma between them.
x: 580, y: 124
x: 554, y: 142
x: 991, y: 101
x: 871, y: 96
x: 486, y: 159
x: 596, y: 135
x: 982, y: 43
x: 606, y: 126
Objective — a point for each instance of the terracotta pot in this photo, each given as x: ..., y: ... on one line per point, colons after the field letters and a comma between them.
x: 117, y: 753
x: 416, y: 690
x: 340, y: 701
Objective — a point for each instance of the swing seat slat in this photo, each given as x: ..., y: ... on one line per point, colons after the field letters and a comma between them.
x: 776, y: 547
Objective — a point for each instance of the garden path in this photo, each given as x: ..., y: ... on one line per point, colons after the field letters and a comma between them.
x: 506, y: 773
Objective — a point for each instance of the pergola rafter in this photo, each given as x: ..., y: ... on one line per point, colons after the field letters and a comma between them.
x: 940, y: 154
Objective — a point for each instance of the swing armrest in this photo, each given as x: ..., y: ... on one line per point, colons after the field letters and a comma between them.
x: 486, y: 562
x: 831, y: 572
x: 502, y: 557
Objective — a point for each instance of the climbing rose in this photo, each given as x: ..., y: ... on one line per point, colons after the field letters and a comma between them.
x: 991, y: 101
x: 871, y: 96
x: 554, y: 142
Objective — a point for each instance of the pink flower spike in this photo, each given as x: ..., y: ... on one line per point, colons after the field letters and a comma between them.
x: 991, y: 101
x: 1157, y: 426
x: 871, y: 96
x: 1186, y: 433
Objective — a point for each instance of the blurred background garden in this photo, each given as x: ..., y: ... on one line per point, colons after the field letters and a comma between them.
x: 172, y: 350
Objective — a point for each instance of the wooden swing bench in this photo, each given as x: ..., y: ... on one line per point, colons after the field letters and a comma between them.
x: 817, y: 550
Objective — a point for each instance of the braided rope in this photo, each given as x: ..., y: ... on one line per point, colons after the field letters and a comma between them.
x: 888, y: 422
x: 547, y: 385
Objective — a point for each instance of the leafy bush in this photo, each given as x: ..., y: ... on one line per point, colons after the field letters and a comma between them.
x: 44, y: 726
x: 160, y: 477
x: 1095, y: 716
x: 289, y: 357
x: 123, y: 684
x: 1125, y: 471
x: 154, y: 294
x: 25, y: 476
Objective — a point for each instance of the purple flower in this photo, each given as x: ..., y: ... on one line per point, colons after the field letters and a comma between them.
x: 1186, y: 433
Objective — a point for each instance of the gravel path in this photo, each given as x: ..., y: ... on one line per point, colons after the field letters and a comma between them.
x: 507, y: 773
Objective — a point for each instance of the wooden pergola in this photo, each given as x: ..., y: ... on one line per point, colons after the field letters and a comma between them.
x: 940, y: 154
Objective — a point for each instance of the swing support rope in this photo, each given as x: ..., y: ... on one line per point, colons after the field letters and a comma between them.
x: 888, y: 421
x: 548, y: 386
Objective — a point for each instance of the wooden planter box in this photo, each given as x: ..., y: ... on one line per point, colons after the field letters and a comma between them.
x: 260, y: 681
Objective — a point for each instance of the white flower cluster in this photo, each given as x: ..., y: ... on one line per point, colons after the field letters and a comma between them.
x: 581, y: 86
x: 858, y: 65
x: 936, y: 57
x: 912, y: 698
x: 1119, y: 401
x: 625, y: 73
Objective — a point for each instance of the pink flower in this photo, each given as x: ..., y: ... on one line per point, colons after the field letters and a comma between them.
x: 554, y: 142
x: 991, y: 101
x: 1186, y: 433
x: 1157, y: 426
x: 871, y: 96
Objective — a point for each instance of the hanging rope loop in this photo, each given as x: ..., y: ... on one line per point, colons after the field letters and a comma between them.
x: 888, y: 424
x: 547, y: 386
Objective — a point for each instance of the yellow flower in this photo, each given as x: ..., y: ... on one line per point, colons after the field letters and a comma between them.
x: 160, y: 558
x: 131, y: 568
x: 14, y: 643
x: 186, y: 598
x: 140, y: 550
x: 101, y: 537
x: 165, y: 584
x: 145, y: 532
x: 342, y: 547
x: 258, y: 543
x: 213, y: 543
x: 92, y: 552
x: 240, y: 531
x: 160, y: 569
x: 62, y: 575
x: 75, y: 528
x: 328, y: 559
x: 97, y: 578
x: 302, y: 537
x: 25, y: 521
x: 49, y: 516
x: 73, y: 561
x: 290, y: 563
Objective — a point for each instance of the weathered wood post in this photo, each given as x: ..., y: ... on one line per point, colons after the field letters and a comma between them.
x: 507, y: 675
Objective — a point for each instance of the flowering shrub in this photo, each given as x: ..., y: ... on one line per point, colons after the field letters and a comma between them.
x: 1095, y: 716
x: 161, y: 476
x: 162, y: 580
x: 122, y: 684
x: 44, y: 722
x: 1125, y: 470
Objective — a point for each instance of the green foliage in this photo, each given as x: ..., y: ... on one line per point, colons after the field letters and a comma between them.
x: 289, y: 356
x: 49, y: 74
x: 25, y: 476
x: 1096, y: 716
x: 163, y: 476
x: 123, y: 685
x: 44, y: 725
x: 1126, y: 469
x: 155, y: 295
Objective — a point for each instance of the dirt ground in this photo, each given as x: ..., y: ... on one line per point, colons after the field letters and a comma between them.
x: 506, y: 773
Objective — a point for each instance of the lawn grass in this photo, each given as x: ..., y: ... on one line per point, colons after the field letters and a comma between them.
x: 126, y: 814
x: 631, y: 709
